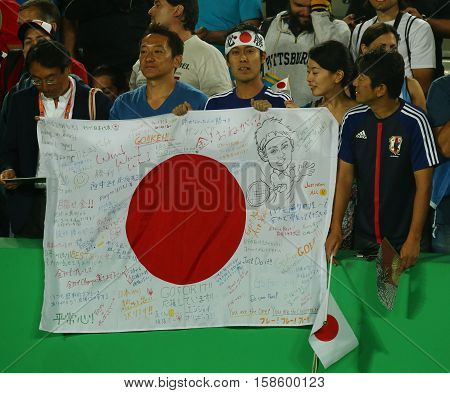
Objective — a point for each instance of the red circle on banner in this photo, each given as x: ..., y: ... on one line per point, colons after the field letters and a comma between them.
x: 245, y: 37
x: 329, y: 331
x: 186, y: 219
x: 281, y: 85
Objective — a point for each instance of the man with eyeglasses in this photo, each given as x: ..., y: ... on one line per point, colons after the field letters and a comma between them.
x: 54, y: 94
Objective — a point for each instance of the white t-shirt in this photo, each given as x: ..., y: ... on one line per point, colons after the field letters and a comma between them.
x: 420, y: 39
x: 203, y: 67
x: 287, y: 55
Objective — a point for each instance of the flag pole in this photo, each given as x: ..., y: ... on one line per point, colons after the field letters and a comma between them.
x: 315, y: 363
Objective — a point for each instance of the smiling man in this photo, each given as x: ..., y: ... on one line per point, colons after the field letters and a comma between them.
x: 54, y: 94
x: 290, y: 36
x: 388, y: 146
x: 416, y: 43
x: 245, y: 53
x: 160, y: 55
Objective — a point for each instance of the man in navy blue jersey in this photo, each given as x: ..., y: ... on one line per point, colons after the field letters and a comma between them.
x: 245, y: 53
x: 388, y: 146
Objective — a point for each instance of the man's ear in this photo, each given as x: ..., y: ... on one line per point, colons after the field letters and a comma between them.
x: 178, y: 60
x: 178, y: 11
x: 54, y: 26
x: 381, y: 90
x: 263, y: 57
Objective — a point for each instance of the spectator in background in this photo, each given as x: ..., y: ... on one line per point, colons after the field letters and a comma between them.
x: 384, y: 35
x: 290, y: 36
x: 105, y: 31
x: 438, y: 105
x: 54, y: 94
x: 109, y: 80
x: 358, y: 11
x: 416, y: 39
x: 388, y: 146
x: 437, y: 14
x: 216, y: 18
x: 160, y: 55
x: 12, y: 71
x: 203, y: 66
x: 245, y: 53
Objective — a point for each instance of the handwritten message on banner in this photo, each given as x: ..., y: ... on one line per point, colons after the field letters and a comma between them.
x: 211, y: 219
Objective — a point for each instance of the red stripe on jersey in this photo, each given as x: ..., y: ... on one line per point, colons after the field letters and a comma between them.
x: 376, y: 193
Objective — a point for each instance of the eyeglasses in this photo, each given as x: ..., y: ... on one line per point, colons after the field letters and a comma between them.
x: 48, y: 81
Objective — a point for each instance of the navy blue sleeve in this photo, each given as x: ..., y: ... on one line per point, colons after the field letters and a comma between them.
x: 423, y: 149
x: 345, y: 147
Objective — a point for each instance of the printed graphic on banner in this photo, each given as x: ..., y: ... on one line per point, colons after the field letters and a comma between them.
x: 211, y: 219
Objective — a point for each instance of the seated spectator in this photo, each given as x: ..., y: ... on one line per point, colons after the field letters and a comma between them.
x: 216, y: 18
x: 8, y: 25
x: 109, y: 80
x: 438, y: 105
x: 388, y: 146
x: 416, y: 43
x: 203, y: 66
x: 161, y: 54
x: 12, y: 71
x: 291, y: 34
x: 245, y: 52
x: 437, y: 14
x: 384, y: 35
x: 54, y: 94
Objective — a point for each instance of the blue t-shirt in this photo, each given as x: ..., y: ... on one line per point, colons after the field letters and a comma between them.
x: 229, y: 99
x: 438, y: 108
x: 133, y: 104
x: 223, y: 15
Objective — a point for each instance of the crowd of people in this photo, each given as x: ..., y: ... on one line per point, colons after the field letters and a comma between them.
x: 378, y: 71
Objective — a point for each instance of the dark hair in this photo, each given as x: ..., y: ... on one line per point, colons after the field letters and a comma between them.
x: 176, y: 45
x: 48, y: 10
x: 118, y: 77
x: 377, y: 30
x: 334, y: 56
x: 383, y: 68
x: 49, y: 54
x: 242, y: 27
x: 190, y: 13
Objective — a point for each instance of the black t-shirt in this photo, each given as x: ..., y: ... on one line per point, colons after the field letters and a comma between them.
x: 109, y: 31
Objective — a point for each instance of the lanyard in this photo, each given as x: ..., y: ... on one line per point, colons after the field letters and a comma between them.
x: 68, y: 106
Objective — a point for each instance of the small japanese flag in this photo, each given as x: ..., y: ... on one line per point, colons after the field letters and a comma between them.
x: 331, y: 336
x: 281, y: 85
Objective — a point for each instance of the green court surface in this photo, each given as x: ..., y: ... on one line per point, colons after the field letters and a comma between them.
x: 414, y: 337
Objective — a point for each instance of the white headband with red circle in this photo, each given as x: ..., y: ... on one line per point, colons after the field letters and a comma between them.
x: 244, y: 38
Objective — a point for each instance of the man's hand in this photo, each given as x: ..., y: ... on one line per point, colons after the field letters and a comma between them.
x: 8, y: 174
x: 333, y: 244
x: 202, y: 33
x: 261, y: 105
x: 290, y: 104
x: 409, y: 253
x: 413, y: 11
x: 182, y: 109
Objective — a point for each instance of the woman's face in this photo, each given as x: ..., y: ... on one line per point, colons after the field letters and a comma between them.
x: 387, y: 41
x: 320, y: 80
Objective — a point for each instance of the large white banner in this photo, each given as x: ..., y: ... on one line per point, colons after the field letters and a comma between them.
x: 211, y: 219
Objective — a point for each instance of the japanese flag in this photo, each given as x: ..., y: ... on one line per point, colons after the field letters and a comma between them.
x: 282, y: 85
x: 331, y: 336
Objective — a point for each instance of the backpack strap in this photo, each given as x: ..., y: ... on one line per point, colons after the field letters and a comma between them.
x: 409, y: 24
x: 92, y: 106
x: 265, y: 25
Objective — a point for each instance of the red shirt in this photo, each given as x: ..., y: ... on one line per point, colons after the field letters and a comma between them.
x: 8, y: 32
